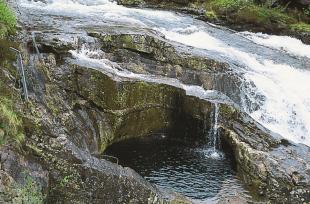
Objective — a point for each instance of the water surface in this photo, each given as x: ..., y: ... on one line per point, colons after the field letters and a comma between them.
x: 182, y: 168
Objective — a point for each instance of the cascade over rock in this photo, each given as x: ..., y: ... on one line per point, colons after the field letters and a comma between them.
x: 95, y: 85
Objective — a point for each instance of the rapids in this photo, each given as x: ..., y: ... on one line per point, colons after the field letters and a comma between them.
x: 276, y: 69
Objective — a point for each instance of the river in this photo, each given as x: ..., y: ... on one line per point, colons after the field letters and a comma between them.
x: 275, y: 70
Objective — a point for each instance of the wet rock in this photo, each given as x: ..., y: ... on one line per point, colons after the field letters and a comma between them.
x: 92, y: 110
x: 147, y: 52
x: 153, y: 46
x: 76, y: 124
x: 233, y: 200
x: 21, y: 179
x: 77, y: 111
x: 275, y: 169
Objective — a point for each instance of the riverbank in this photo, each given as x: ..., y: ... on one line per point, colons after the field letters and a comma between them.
x: 240, y: 15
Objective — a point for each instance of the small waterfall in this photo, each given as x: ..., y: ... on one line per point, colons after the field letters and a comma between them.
x: 214, y: 140
x: 212, y: 149
x: 33, y: 36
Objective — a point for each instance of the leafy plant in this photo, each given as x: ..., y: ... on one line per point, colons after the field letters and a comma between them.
x: 307, y: 11
x: 65, y: 180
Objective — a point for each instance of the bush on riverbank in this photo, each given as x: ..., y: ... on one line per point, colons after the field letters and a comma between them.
x: 7, y: 19
x: 248, y: 12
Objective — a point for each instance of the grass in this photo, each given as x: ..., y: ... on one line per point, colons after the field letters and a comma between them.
x: 303, y: 27
x: 11, y: 126
x: 7, y: 20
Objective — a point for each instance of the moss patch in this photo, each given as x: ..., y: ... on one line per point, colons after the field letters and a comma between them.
x: 10, y: 123
x: 29, y: 192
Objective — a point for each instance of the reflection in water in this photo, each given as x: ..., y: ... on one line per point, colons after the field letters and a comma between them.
x: 180, y: 167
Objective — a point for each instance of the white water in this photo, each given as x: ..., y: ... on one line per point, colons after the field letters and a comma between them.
x: 282, y: 90
x: 286, y: 43
x: 89, y: 58
x: 286, y: 90
x: 213, y: 133
x: 213, y: 150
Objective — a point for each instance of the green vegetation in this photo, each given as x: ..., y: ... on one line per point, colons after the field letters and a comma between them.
x: 10, y: 123
x: 210, y: 15
x: 29, y: 193
x: 65, y: 180
x: 303, y: 27
x: 307, y: 11
x: 7, y: 20
x: 247, y: 12
x: 228, y: 4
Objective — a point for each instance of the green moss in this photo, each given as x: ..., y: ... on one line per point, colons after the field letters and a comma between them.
x: 29, y: 193
x: 227, y: 110
x: 7, y: 20
x: 11, y: 125
x: 10, y: 122
x: 303, y: 27
x: 211, y: 14
x: 65, y: 180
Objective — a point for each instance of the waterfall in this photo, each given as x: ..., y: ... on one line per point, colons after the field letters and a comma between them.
x: 212, y: 149
x: 275, y: 69
x: 213, y: 134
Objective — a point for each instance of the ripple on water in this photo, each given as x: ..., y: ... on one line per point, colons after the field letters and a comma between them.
x: 200, y: 174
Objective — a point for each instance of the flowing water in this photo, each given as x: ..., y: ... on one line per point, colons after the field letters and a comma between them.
x: 213, y: 148
x: 275, y: 69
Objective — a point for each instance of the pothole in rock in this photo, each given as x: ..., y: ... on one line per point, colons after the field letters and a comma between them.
x: 183, y: 168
